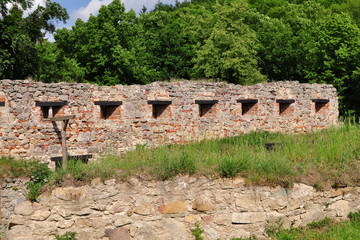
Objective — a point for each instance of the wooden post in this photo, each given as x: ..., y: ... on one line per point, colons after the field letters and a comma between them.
x: 63, y: 144
x: 65, y: 121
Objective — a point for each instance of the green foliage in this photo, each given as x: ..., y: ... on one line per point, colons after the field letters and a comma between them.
x: 322, y: 230
x: 229, y: 53
x: 19, y: 36
x: 230, y: 167
x: 320, y: 224
x: 66, y: 236
x: 273, y: 228
x: 33, y: 191
x: 197, y: 232
x: 238, y: 41
x: 38, y: 174
x: 354, y: 216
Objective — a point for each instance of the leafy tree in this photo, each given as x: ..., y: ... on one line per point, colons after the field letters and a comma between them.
x: 19, y: 36
x: 230, y: 51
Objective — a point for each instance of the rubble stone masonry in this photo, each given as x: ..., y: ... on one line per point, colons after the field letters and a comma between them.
x: 117, y: 118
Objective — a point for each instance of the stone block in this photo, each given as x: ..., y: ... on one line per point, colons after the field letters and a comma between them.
x: 173, y: 207
x: 248, y: 217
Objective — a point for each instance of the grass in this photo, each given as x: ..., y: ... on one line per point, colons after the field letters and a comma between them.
x: 329, y: 156
x: 325, y: 229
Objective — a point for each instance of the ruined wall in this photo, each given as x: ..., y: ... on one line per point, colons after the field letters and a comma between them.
x: 120, y: 117
x: 225, y: 208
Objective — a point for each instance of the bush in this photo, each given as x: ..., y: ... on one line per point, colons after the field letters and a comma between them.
x: 197, y: 231
x: 33, y: 191
x: 354, y: 217
x: 66, y: 236
x: 38, y: 172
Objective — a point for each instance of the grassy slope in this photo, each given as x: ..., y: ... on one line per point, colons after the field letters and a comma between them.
x: 323, y: 158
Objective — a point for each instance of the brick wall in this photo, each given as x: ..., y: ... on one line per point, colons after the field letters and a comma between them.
x: 120, y: 117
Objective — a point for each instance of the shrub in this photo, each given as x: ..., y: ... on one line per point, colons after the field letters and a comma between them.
x: 354, y: 217
x: 197, y: 231
x: 38, y: 172
x: 33, y: 190
x: 66, y: 236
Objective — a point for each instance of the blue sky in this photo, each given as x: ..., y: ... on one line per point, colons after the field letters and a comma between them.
x: 83, y: 8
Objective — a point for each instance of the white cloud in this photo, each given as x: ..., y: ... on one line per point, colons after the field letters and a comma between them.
x: 36, y: 3
x: 92, y: 8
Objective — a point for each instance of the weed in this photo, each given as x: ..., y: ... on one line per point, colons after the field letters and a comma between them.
x: 33, y: 191
x: 230, y: 167
x: 320, y: 224
x: 66, y: 236
x: 197, y: 232
x: 38, y: 172
x: 354, y: 216
x: 272, y: 228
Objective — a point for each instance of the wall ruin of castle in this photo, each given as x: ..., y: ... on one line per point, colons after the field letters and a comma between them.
x: 117, y: 118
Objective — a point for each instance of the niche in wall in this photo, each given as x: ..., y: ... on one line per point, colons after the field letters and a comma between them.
x: 320, y: 105
x: 207, y: 108
x: 248, y: 106
x: 285, y: 106
x: 109, y: 109
x: 2, y: 104
x: 160, y: 109
x: 50, y: 109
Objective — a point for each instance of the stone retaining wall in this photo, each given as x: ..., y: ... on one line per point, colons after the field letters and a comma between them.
x: 116, y: 119
x: 169, y: 210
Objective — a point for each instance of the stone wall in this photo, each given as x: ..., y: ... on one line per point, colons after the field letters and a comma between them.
x: 139, y: 210
x: 117, y: 118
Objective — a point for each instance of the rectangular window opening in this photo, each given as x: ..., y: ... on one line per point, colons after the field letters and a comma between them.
x: 320, y: 105
x: 109, y: 109
x: 206, y: 107
x: 285, y: 107
x: 160, y: 109
x: 248, y: 106
x: 2, y: 104
x: 50, y: 109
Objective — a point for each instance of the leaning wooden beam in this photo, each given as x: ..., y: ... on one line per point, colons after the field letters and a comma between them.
x: 65, y: 121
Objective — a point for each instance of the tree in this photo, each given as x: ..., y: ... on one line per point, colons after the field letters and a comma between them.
x: 229, y: 53
x: 19, y: 36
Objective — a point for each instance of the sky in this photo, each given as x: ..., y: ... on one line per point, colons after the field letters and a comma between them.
x: 83, y: 8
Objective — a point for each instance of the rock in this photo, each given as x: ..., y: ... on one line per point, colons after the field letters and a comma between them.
x: 24, y: 209
x: 248, y: 217
x: 65, y: 224
x: 144, y: 209
x: 40, y: 215
x: 16, y: 220
x: 118, y: 234
x: 192, y: 218
x: 341, y: 208
x: 302, y: 191
x: 274, y: 203
x: 176, y: 229
x: 313, y: 216
x: 96, y: 182
x: 83, y: 223
x: 123, y: 221
x: 174, y: 207
x: 248, y: 202
x: 202, y: 204
x: 222, y: 219
x: 69, y: 193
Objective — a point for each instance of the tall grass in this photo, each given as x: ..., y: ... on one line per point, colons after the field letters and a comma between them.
x: 332, y: 154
